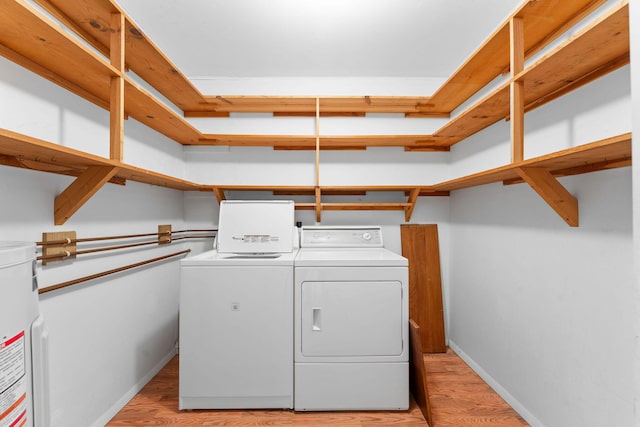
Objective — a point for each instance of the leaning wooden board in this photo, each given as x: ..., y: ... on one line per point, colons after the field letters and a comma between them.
x: 420, y: 247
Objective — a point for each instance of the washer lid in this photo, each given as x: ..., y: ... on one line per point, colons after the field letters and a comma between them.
x: 12, y: 252
x: 349, y: 257
x: 255, y: 226
x: 216, y: 259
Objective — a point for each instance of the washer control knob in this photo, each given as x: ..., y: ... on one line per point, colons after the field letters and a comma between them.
x: 366, y: 236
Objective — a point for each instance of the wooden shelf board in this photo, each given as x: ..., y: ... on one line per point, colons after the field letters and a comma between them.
x: 37, y: 43
x: 364, y: 206
x: 334, y: 142
x: 91, y: 20
x: 543, y: 21
x: 142, y: 106
x: 299, y: 105
x: 599, y: 155
x: 45, y: 156
x: 598, y: 49
x: 487, y: 111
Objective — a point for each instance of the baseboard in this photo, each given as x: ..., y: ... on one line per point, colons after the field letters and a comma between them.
x: 116, y: 407
x: 512, y: 401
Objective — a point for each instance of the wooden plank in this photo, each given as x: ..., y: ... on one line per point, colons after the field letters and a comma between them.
x: 116, y: 119
x: 413, y: 198
x: 91, y: 20
x: 487, y: 111
x: 595, y: 51
x: 418, y: 380
x: 148, y: 61
x: 318, y: 204
x: 328, y: 142
x: 80, y: 191
x: 146, y: 109
x: 610, y: 151
x: 554, y: 193
x: 26, y: 148
x: 306, y: 105
x: 317, y: 137
x: 60, y: 58
x: 543, y: 21
x: 516, y: 109
x: 75, y: 26
x: 420, y: 247
x: 517, y: 120
x: 63, y: 251
x: 116, y: 41
x: 372, y: 206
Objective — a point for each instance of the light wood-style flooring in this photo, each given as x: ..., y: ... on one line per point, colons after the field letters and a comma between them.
x: 459, y: 398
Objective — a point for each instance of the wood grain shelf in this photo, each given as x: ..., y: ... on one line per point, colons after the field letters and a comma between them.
x: 410, y: 192
x: 543, y: 21
x: 91, y: 20
x: 32, y: 153
x: 604, y: 154
x: 327, y: 142
x: 599, y: 49
x: 31, y: 39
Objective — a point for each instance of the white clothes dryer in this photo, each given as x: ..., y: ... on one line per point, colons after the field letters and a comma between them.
x: 351, y: 322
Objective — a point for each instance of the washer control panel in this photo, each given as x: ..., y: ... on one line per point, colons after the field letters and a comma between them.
x: 341, y: 237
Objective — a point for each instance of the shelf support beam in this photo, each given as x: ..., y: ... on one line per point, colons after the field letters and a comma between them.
x: 116, y: 106
x: 80, y: 191
x: 517, y: 89
x: 553, y: 192
x: 413, y: 198
x: 318, y: 192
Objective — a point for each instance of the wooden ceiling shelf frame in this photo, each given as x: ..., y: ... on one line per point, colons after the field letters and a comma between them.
x: 543, y: 21
x: 598, y: 49
x: 609, y: 153
x: 91, y: 171
x: 410, y: 192
x: 32, y: 40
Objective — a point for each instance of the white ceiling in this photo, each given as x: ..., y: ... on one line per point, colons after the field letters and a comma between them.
x: 318, y: 38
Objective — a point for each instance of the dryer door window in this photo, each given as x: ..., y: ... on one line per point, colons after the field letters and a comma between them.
x: 351, y: 318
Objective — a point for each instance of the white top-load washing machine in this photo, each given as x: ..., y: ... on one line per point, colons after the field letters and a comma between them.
x: 236, y: 311
x: 351, y: 340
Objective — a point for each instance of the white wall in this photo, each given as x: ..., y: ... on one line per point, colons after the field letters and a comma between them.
x: 108, y: 336
x: 634, y: 17
x: 543, y: 311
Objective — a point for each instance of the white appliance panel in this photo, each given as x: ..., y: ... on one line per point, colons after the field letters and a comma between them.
x: 255, y: 226
x: 23, y: 340
x: 355, y: 318
x: 354, y: 257
x: 236, y: 331
x: 215, y: 258
x: 351, y: 386
x: 341, y: 237
x: 352, y: 275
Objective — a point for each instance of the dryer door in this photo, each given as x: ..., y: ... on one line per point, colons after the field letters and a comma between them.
x: 354, y: 318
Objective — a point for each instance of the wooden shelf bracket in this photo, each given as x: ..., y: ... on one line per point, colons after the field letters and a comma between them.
x: 554, y: 193
x: 80, y: 191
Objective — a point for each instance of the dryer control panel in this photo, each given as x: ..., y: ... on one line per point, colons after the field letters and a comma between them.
x: 341, y: 237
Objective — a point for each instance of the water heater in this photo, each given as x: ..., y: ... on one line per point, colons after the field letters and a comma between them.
x: 23, y: 340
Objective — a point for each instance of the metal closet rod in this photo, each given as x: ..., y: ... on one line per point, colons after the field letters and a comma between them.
x: 125, y: 236
x: 108, y: 272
